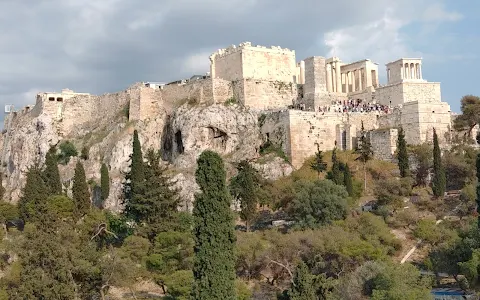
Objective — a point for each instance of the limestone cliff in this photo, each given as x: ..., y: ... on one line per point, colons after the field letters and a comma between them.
x: 181, y: 135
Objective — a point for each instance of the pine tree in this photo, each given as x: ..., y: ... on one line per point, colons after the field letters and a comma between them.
x: 403, y: 165
x: 335, y: 174
x: 439, y: 182
x: 214, y: 262
x: 478, y: 189
x: 365, y: 152
x: 347, y: 180
x: 244, y: 186
x: 157, y: 207
x: 318, y: 164
x: 302, y: 285
x: 81, y: 194
x: 34, y: 195
x: 104, y: 182
x: 134, y: 187
x: 51, y: 175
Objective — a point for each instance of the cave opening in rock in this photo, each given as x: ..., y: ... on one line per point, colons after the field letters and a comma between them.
x: 167, y: 139
x: 217, y: 137
x: 179, y: 142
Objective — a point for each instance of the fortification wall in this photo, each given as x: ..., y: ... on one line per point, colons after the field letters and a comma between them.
x: 403, y: 92
x: 384, y: 143
x: 418, y: 120
x: 423, y: 92
x: 268, y: 64
x: 94, y: 111
x: 389, y: 95
x: 228, y: 65
x: 268, y: 94
x: 308, y: 128
x: 201, y: 91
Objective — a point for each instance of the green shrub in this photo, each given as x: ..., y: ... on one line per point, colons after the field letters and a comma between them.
x: 231, y: 101
x: 84, y: 153
x: 67, y: 150
x: 269, y: 147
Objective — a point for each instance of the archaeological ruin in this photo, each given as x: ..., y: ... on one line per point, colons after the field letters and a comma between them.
x: 299, y: 104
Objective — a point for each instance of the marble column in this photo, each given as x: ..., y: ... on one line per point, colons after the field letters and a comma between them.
x: 353, y: 81
x: 329, y: 77
x: 338, y: 76
x: 302, y: 72
x: 420, y: 70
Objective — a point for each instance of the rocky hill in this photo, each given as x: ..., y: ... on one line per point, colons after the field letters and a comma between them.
x: 181, y: 132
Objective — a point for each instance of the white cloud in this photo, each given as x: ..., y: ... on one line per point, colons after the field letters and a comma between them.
x: 379, y: 40
x: 437, y: 13
x: 197, y: 63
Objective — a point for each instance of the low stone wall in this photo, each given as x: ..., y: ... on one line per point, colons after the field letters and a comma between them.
x: 384, y: 143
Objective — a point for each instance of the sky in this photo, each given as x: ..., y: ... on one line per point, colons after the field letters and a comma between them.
x: 105, y: 46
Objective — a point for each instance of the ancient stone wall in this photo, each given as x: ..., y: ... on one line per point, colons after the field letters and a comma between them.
x: 227, y: 65
x: 418, y: 121
x: 199, y: 91
x: 384, y: 143
x: 423, y: 92
x: 268, y: 64
x: 389, y: 95
x: 268, y: 94
x: 308, y: 128
x: 399, y: 93
x: 94, y: 111
x: 315, y: 87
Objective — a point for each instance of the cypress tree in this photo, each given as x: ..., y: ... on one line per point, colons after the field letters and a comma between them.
x: 51, y: 175
x: 134, y: 187
x: 335, y: 173
x: 347, y: 180
x: 214, y: 261
x: 439, y: 182
x: 34, y: 195
x: 478, y: 189
x: 302, y: 285
x: 364, y: 149
x: 403, y: 165
x: 2, y: 189
x: 244, y: 186
x: 104, y: 182
x: 81, y: 194
x: 318, y: 164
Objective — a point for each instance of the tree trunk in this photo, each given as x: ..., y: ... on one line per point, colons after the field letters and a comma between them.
x: 365, y: 177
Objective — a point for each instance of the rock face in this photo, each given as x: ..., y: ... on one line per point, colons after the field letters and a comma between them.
x: 227, y: 130
x: 232, y: 131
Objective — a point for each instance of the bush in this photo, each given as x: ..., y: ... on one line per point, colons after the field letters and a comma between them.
x: 269, y: 147
x: 391, y: 191
x: 84, y: 153
x: 67, y: 150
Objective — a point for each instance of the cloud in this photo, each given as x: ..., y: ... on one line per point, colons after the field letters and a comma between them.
x: 437, y: 13
x: 197, y: 63
x: 105, y: 46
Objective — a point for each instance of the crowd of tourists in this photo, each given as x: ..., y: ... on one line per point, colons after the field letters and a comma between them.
x: 347, y: 106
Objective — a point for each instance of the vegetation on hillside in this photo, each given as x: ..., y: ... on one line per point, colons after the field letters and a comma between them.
x: 320, y: 233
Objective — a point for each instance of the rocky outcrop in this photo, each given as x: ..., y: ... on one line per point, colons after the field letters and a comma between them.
x: 228, y: 130
x: 232, y: 131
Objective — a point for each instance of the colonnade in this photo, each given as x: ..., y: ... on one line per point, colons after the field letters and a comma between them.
x: 354, y: 80
x: 411, y: 71
x: 334, y: 77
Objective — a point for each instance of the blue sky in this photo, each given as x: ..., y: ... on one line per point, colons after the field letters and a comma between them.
x: 105, y: 46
